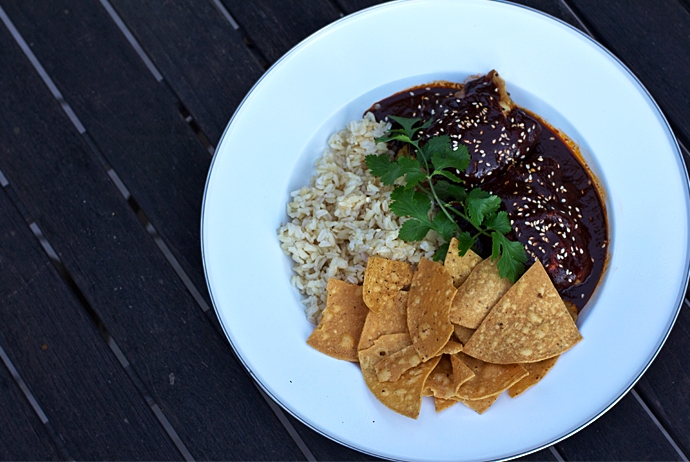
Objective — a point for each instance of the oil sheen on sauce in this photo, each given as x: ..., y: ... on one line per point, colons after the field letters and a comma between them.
x: 550, y: 196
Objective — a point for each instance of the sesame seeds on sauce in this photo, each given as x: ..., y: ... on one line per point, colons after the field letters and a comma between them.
x: 552, y: 202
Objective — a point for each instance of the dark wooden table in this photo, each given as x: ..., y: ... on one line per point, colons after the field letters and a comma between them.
x: 109, y: 114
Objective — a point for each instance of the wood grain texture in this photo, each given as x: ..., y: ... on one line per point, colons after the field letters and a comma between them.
x: 24, y: 436
x: 131, y: 117
x: 555, y: 8
x: 198, y: 52
x: 274, y: 29
x: 75, y: 378
x: 625, y: 432
x: 182, y: 360
x: 351, y: 6
x: 652, y: 40
x: 666, y: 384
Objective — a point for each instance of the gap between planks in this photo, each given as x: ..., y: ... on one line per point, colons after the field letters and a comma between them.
x: 161, y: 243
x: 141, y: 215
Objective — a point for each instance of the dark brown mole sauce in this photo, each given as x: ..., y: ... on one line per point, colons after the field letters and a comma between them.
x: 551, y: 199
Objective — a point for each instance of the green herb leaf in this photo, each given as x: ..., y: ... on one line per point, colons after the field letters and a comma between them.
x: 430, y: 173
x: 465, y: 242
x: 408, y: 124
x: 413, y: 230
x: 394, y: 137
x: 449, y: 191
x: 511, y: 262
x: 408, y: 202
x: 441, y: 252
x: 449, y: 175
x: 447, y: 158
x: 389, y: 171
x: 444, y: 226
x: 498, y: 222
x: 480, y: 203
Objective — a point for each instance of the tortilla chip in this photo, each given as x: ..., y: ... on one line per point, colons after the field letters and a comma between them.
x: 529, y: 324
x: 444, y: 381
x: 405, y: 394
x: 463, y: 333
x: 451, y: 348
x: 461, y: 372
x: 479, y: 405
x: 392, y: 319
x: 383, y: 279
x: 489, y: 379
x: 537, y: 371
x: 459, y: 267
x: 342, y: 321
x: 480, y: 292
x: 441, y: 404
x: 572, y: 309
x: 391, y: 368
x: 428, y: 305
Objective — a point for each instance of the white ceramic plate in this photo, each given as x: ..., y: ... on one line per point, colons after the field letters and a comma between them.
x: 329, y: 79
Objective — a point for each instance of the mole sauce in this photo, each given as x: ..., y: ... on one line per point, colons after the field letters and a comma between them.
x: 549, y: 195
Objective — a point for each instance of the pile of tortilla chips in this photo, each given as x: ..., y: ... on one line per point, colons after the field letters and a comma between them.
x: 454, y: 331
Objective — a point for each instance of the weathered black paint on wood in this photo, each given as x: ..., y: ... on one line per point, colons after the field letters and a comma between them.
x: 66, y: 364
x: 274, y: 29
x: 625, y: 432
x: 652, y: 39
x: 24, y: 436
x: 199, y: 54
x: 132, y: 118
x: 183, y: 361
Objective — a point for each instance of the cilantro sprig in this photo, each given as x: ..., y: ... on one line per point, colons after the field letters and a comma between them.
x: 429, y: 175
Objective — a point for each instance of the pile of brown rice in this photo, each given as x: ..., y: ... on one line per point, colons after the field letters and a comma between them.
x: 342, y: 218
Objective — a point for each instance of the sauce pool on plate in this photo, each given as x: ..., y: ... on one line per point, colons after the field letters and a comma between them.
x: 551, y: 198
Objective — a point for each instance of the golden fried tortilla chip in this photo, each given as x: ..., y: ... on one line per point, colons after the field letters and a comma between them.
x: 441, y: 404
x: 537, y: 371
x: 428, y: 304
x: 572, y: 309
x: 489, y: 379
x: 461, y: 372
x: 529, y: 324
x: 463, y: 333
x: 405, y: 394
x: 383, y: 279
x: 451, y: 348
x: 393, y: 366
x: 479, y: 405
x: 392, y: 319
x: 342, y: 321
x: 480, y: 292
x: 444, y: 381
x: 459, y: 267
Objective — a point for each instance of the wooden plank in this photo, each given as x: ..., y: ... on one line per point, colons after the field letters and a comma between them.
x: 23, y: 435
x: 198, y: 52
x: 652, y: 40
x: 180, y: 358
x: 625, y: 432
x: 664, y: 387
x: 132, y: 118
x: 274, y: 29
x: 87, y: 395
x: 351, y: 6
x: 555, y: 8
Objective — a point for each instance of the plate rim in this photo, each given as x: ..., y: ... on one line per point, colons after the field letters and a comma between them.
x: 314, y: 36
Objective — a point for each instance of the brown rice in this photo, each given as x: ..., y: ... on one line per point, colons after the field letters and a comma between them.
x: 342, y: 218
